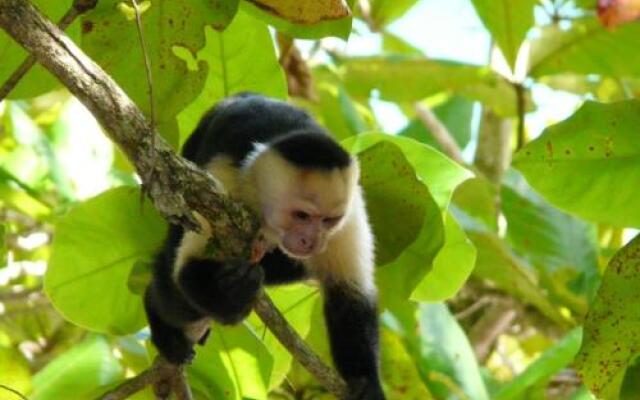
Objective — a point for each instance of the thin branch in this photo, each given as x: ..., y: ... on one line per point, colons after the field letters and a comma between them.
x: 439, y: 132
x: 78, y: 8
x: 290, y: 339
x: 147, y: 63
x: 178, y: 187
x: 159, y: 373
x: 520, y: 106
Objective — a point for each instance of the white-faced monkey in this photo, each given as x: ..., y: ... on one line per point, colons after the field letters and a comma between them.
x: 277, y: 160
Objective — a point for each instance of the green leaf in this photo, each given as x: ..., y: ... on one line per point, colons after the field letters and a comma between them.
x: 231, y: 56
x: 554, y: 359
x: 497, y: 264
x: 83, y: 372
x: 95, y: 248
x: 559, y: 245
x: 15, y: 372
x: 508, y: 22
x: 398, y: 279
x: 394, y: 44
x: 336, y: 110
x: 383, y: 12
x: 587, y: 163
x: 398, y: 370
x: 38, y: 80
x: 611, y: 341
x: 109, y: 33
x: 392, y: 193
x: 424, y: 77
x: 234, y: 364
x: 587, y: 47
x: 304, y: 19
x: 451, y: 267
x: 446, y: 353
x: 474, y: 205
x: 439, y: 173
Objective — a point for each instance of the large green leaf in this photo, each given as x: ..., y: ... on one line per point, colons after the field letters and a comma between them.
x: 611, y: 327
x: 232, y: 59
x: 589, y: 164
x: 234, y: 364
x: 82, y: 373
x: 439, y: 173
x: 95, y: 247
x: 562, y: 247
x: 497, y: 264
x: 38, y: 80
x: 392, y: 193
x: 423, y: 77
x: 398, y: 279
x: 546, y: 365
x: 445, y: 350
x: 110, y: 37
x: 508, y: 21
x: 384, y: 12
x: 451, y: 267
x: 305, y: 19
x: 587, y: 48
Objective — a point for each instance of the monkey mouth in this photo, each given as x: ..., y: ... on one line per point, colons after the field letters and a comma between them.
x: 300, y: 255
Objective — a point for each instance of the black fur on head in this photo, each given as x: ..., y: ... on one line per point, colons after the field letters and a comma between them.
x: 309, y: 149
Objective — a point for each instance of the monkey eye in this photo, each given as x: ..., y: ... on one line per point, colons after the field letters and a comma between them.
x: 301, y: 215
x: 331, y: 220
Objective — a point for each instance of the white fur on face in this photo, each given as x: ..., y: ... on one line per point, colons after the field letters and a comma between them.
x: 273, y: 187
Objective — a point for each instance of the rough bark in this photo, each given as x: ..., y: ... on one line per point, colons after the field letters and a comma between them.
x: 176, y: 186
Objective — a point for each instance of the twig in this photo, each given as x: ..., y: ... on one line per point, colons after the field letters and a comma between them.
x: 290, y: 339
x: 439, y: 132
x: 297, y: 72
x: 78, y: 8
x: 495, y: 321
x: 34, y: 194
x: 178, y: 187
x: 147, y: 63
x: 520, y: 106
x: 161, y: 371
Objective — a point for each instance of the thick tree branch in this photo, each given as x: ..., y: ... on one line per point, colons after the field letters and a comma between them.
x: 176, y: 186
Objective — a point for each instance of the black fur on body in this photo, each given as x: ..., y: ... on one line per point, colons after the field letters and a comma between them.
x: 204, y: 289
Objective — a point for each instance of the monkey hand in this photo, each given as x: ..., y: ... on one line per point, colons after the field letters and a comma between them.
x: 225, y: 291
x: 259, y: 248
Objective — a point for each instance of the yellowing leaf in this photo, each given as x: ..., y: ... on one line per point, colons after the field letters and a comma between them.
x: 305, y: 12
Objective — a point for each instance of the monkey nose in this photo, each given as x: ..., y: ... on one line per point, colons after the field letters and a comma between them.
x: 306, y: 243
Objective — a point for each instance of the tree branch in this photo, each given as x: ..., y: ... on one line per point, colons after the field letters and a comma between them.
x: 439, y: 132
x: 176, y: 186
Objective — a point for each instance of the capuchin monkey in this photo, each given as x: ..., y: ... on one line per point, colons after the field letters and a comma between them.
x: 277, y: 160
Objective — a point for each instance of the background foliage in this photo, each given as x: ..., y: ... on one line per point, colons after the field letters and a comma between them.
x: 499, y: 279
